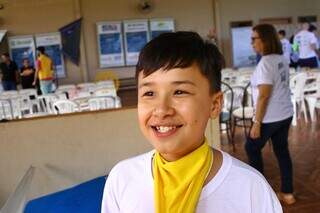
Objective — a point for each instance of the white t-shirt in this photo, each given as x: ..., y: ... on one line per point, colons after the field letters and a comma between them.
x: 273, y: 70
x: 304, y: 39
x: 236, y: 188
x: 286, y: 48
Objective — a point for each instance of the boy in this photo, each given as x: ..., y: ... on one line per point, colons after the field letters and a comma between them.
x: 178, y: 77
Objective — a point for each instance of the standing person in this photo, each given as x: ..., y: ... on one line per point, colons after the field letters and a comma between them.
x: 307, y: 45
x: 286, y: 46
x: 179, y: 79
x: 9, y: 71
x: 27, y: 74
x: 313, y: 29
x: 273, y: 107
x: 44, y: 71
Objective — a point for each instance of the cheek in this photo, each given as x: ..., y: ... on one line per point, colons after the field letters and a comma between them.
x: 143, y: 113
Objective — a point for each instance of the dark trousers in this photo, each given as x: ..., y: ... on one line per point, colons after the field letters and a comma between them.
x: 308, y: 62
x: 278, y: 133
x: 9, y: 85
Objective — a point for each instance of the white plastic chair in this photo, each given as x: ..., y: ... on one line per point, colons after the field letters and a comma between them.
x: 46, y: 102
x: 66, y: 87
x: 102, y: 102
x: 5, y: 109
x: 83, y: 94
x: 31, y: 93
x: 65, y: 106
x: 313, y: 100
x: 105, y: 91
x: 297, y: 84
x: 118, y: 103
x: 243, y: 108
x: 8, y: 94
x: 106, y: 83
x: 87, y: 87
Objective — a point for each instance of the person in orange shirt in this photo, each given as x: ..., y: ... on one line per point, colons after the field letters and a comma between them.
x: 44, y: 71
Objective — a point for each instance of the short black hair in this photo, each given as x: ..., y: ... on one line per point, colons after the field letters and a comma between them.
x: 41, y: 49
x: 181, y: 50
x: 282, y: 32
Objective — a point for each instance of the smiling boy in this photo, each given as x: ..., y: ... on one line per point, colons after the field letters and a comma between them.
x: 178, y: 76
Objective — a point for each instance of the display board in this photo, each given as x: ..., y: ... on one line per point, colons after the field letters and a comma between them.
x: 52, y: 44
x: 158, y: 26
x: 110, y: 44
x: 22, y: 47
x: 136, y: 35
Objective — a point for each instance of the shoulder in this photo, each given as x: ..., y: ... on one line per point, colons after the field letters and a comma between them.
x: 135, y: 166
x: 237, y: 166
x: 243, y: 170
x: 266, y: 61
x: 248, y: 178
x: 237, y: 173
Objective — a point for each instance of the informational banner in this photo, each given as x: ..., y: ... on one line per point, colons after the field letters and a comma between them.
x: 22, y: 47
x: 136, y: 35
x: 71, y: 40
x: 52, y: 44
x: 110, y: 44
x: 243, y: 54
x: 158, y: 26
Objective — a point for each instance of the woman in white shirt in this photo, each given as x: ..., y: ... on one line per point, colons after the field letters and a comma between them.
x: 273, y: 107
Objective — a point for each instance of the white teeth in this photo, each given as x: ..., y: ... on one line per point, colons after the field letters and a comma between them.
x: 164, y: 129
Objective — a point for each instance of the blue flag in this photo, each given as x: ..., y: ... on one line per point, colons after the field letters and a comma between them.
x: 70, y: 36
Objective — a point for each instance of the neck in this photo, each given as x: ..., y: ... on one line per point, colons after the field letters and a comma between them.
x: 176, y: 156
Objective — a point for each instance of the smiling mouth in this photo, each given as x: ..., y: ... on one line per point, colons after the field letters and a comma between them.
x: 165, y: 130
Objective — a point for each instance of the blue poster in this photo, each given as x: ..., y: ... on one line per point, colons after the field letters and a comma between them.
x: 136, y: 36
x: 52, y: 44
x: 54, y: 52
x: 110, y: 43
x: 158, y: 32
x: 159, y: 26
x: 22, y: 47
x: 136, y: 41
x: 19, y: 54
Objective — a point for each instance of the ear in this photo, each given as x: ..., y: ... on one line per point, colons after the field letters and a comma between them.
x: 216, y: 104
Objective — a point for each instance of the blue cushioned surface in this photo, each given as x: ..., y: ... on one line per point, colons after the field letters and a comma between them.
x: 224, y: 116
x: 83, y: 198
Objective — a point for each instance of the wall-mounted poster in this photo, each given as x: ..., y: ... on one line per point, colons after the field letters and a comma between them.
x: 22, y: 47
x: 136, y: 35
x: 243, y: 54
x: 158, y: 26
x: 52, y: 44
x: 110, y: 44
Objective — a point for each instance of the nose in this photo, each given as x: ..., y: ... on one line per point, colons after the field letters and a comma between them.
x: 163, y: 108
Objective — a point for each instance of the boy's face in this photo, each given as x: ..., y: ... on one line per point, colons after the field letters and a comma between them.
x: 173, y: 109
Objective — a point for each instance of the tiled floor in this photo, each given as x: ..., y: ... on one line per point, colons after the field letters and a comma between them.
x: 304, y: 141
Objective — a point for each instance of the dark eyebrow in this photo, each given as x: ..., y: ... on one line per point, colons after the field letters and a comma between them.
x: 148, y: 84
x: 184, y: 82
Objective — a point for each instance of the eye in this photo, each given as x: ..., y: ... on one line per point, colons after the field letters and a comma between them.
x: 180, y: 92
x: 148, y: 94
